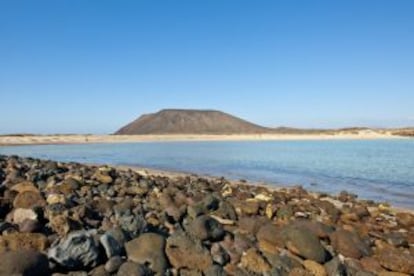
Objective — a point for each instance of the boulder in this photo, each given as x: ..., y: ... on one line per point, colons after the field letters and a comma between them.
x: 148, y: 249
x: 183, y: 252
x: 349, y: 244
x: 24, y: 262
x: 206, y: 228
x: 78, y: 250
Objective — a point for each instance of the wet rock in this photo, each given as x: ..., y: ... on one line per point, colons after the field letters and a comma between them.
x: 78, y: 250
x: 28, y: 200
x: 349, y: 244
x: 17, y: 241
x: 206, y: 228
x: 24, y: 262
x: 113, y: 242
x: 148, y: 249
x: 113, y: 264
x: 304, y: 243
x: 396, y: 260
x: 133, y: 269
x: 252, y: 261
x: 183, y: 252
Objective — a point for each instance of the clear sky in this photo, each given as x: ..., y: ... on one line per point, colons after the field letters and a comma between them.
x: 77, y: 66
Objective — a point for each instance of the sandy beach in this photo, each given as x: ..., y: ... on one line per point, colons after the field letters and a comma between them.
x: 9, y: 140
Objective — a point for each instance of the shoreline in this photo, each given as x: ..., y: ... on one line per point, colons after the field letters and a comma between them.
x: 16, y: 140
x: 234, y: 182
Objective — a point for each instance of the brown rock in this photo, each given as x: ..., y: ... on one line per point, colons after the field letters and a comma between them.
x: 349, y: 244
x: 389, y: 273
x: 396, y: 260
x: 405, y: 219
x: 183, y: 252
x: 62, y: 225
x: 302, y: 242
x: 270, y: 238
x: 206, y: 228
x: 370, y: 264
x: 148, y: 249
x: 24, y: 187
x: 19, y: 241
x: 24, y: 262
x: 28, y: 200
x: 254, y: 262
x: 315, y: 268
x: 299, y: 272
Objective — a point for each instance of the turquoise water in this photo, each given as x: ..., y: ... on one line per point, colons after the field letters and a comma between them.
x: 374, y: 169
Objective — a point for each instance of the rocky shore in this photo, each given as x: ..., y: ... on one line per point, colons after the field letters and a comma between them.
x: 73, y: 219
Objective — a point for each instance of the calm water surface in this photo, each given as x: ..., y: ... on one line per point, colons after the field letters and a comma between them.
x: 374, y: 169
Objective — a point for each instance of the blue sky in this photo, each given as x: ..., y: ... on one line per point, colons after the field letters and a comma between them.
x: 92, y: 66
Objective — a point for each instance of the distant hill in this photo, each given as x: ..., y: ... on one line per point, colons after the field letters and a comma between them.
x: 184, y: 121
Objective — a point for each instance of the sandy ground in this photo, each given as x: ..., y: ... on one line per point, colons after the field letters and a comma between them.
x: 83, y: 139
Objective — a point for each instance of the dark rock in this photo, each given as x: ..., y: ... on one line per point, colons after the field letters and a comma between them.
x: 24, y: 262
x: 77, y: 251
x: 349, y: 244
x: 113, y: 242
x: 148, y: 249
x: 219, y: 255
x: 335, y: 267
x: 113, y: 264
x: 206, y: 228
x: 99, y: 271
x: 215, y: 270
x: 302, y: 242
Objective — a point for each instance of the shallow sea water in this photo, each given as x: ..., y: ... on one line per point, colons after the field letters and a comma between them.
x: 381, y: 170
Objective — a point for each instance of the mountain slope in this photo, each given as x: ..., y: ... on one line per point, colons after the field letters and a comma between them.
x: 183, y: 121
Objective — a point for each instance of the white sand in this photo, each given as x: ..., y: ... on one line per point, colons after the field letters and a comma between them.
x: 83, y: 139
